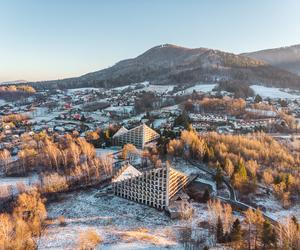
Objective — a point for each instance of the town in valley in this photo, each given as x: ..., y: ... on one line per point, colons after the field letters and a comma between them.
x: 177, y: 147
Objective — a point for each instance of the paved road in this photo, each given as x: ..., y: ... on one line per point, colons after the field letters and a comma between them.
x: 284, y: 136
x: 212, y: 173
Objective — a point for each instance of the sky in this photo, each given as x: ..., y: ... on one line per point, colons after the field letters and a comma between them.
x: 54, y: 39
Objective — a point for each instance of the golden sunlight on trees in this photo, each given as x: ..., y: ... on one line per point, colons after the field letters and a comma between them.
x: 127, y: 150
x: 20, y: 229
x: 218, y: 211
x: 246, y: 159
x: 254, y: 221
x: 64, y: 161
x: 289, y: 234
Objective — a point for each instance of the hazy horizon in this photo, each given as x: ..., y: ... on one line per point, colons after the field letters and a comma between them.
x: 55, y: 39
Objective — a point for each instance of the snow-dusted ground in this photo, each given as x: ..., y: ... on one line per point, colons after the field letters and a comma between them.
x: 107, y: 151
x: 170, y: 108
x: 13, y: 184
x: 41, y: 114
x: 71, y: 91
x: 12, y: 181
x: 158, y: 122
x: 275, y: 210
x: 113, y: 218
x: 200, y: 88
x: 133, y: 85
x: 275, y: 93
x: 185, y: 167
x: 2, y: 102
x: 157, y: 88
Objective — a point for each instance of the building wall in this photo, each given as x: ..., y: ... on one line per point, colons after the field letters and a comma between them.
x: 153, y: 188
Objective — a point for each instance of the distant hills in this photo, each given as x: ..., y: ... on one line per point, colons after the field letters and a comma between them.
x: 171, y: 64
x: 287, y: 58
x: 13, y: 82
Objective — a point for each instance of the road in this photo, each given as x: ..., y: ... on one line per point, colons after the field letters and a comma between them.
x: 212, y: 173
x: 233, y: 198
x: 284, y: 136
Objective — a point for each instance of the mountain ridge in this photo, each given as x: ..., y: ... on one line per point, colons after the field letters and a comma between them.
x: 286, y: 58
x: 172, y: 64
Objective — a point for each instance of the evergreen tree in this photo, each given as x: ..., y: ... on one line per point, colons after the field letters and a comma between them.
x: 83, y: 119
x: 206, y: 155
x: 295, y: 221
x: 206, y: 196
x: 257, y: 99
x: 209, y: 154
x: 236, y: 233
x: 182, y: 120
x: 268, y: 237
x: 220, y: 232
x: 283, y: 103
x: 219, y: 176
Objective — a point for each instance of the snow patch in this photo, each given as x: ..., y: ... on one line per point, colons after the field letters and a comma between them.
x: 275, y: 93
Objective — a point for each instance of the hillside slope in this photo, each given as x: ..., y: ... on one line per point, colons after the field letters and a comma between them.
x: 287, y: 58
x: 170, y: 64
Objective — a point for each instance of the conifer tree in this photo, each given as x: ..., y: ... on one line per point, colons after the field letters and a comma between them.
x: 220, y: 232
x: 236, y: 233
x: 206, y: 196
x: 219, y: 176
x: 268, y: 236
x: 295, y: 221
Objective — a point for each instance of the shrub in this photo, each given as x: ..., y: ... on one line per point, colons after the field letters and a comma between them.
x: 89, y: 239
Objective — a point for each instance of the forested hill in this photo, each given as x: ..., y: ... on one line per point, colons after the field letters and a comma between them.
x: 170, y: 64
x: 287, y: 58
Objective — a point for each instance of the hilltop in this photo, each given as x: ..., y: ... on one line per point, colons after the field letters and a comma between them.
x: 171, y: 64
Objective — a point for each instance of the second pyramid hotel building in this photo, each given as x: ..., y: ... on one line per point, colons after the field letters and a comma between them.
x: 138, y: 136
x: 153, y: 187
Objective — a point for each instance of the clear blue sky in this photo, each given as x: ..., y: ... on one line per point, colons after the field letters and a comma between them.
x: 51, y: 39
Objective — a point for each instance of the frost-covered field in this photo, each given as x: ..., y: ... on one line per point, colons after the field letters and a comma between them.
x: 13, y: 181
x: 82, y: 90
x: 274, y: 208
x: 2, y: 102
x: 201, y: 88
x: 275, y: 93
x: 157, y: 88
x: 121, y: 223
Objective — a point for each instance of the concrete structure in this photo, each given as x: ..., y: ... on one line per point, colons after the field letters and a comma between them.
x: 154, y: 187
x: 138, y: 136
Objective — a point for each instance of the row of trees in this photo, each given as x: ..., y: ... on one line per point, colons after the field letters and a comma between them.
x: 238, y: 88
x: 15, y: 88
x: 254, y: 231
x: 14, y: 118
x: 42, y: 152
x: 63, y: 162
x: 226, y: 104
x: 15, y: 92
x: 100, y: 137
